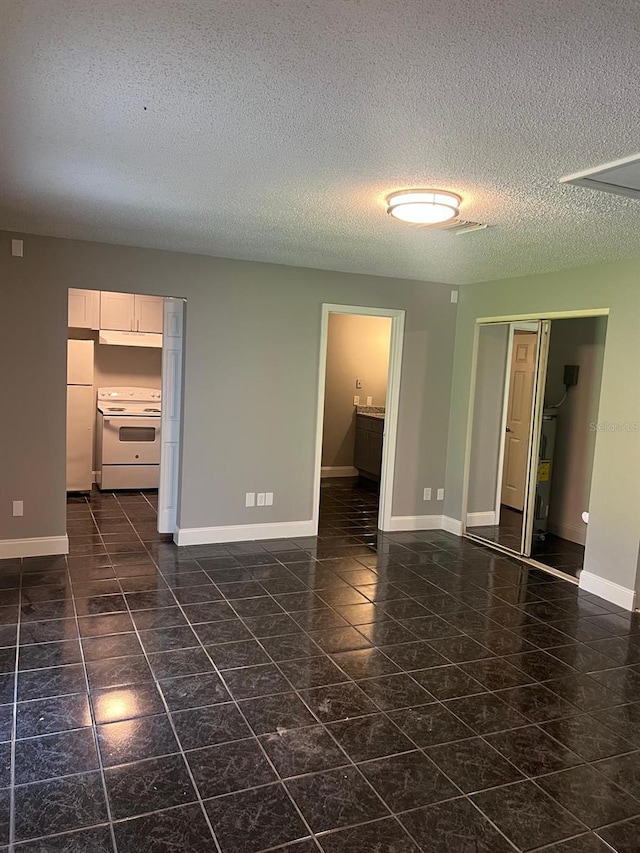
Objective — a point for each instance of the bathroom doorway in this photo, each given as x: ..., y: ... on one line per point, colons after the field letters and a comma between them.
x: 358, y: 393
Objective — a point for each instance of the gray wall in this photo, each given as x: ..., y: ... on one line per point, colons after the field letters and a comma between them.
x: 578, y: 342
x: 251, y: 368
x: 491, y: 367
x: 357, y: 348
x: 614, y: 529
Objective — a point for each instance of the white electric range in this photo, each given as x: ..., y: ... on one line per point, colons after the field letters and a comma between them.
x: 128, y: 438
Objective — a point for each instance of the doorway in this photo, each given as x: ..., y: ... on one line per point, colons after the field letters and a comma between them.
x: 358, y: 395
x: 124, y: 395
x: 535, y: 451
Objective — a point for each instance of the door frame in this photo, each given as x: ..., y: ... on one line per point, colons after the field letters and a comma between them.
x: 532, y: 317
x: 172, y: 384
x: 514, y: 327
x: 175, y: 487
x: 397, y: 317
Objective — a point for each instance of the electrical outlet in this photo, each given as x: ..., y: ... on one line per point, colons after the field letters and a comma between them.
x: 359, y: 384
x: 369, y: 401
x: 440, y: 494
x: 250, y: 499
x: 18, y: 508
x: 268, y: 499
x: 426, y: 495
x: 260, y: 501
x: 356, y: 400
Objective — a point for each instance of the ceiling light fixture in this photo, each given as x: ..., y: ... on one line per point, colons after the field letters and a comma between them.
x: 424, y: 207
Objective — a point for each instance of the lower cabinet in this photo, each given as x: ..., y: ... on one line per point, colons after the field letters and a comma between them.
x: 367, y: 457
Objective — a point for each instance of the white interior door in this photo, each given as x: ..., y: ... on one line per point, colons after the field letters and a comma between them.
x: 519, y: 410
x: 172, y: 343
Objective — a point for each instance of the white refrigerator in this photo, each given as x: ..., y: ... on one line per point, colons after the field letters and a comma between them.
x: 81, y: 416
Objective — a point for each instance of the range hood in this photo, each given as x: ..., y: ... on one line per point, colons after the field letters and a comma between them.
x: 129, y: 339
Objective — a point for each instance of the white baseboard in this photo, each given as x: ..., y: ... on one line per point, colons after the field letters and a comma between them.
x: 399, y: 523
x: 452, y: 525
x: 36, y: 546
x: 243, y: 532
x: 608, y: 590
x: 571, y: 532
x: 481, y: 519
x: 338, y: 471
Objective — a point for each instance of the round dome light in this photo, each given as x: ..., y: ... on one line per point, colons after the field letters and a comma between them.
x: 424, y: 207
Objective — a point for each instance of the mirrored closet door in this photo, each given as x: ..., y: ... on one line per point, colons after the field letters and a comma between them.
x: 506, y: 381
x: 534, y: 405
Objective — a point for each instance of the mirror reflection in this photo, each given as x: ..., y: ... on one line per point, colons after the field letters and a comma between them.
x: 501, y: 431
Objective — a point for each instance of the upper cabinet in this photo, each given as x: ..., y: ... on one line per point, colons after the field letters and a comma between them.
x: 128, y: 312
x: 149, y: 313
x: 117, y: 311
x: 84, y: 309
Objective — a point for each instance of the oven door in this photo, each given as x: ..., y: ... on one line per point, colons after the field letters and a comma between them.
x: 130, y: 440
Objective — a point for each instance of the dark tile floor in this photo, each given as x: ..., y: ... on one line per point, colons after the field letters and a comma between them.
x: 507, y: 533
x: 560, y: 554
x: 355, y: 692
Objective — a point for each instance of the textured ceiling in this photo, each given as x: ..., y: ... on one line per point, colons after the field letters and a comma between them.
x: 273, y: 129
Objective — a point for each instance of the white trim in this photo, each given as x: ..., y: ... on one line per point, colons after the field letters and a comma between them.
x: 242, y: 532
x: 36, y: 546
x: 338, y: 471
x: 391, y: 409
x: 452, y: 525
x: 171, y: 417
x: 398, y: 523
x: 483, y: 519
x: 544, y: 315
x: 608, y: 590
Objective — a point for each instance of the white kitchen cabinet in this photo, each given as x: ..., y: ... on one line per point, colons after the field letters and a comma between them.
x: 117, y: 311
x: 149, y: 313
x: 128, y: 312
x: 84, y: 308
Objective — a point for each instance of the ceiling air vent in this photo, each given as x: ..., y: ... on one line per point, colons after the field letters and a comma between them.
x: 462, y: 226
x: 621, y: 177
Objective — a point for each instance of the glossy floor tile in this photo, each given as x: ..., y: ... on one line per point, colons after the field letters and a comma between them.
x: 345, y: 693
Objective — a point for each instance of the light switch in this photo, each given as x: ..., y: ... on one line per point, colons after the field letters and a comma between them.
x: 440, y: 494
x: 17, y: 248
x: 268, y: 499
x: 359, y: 384
x: 426, y: 495
x: 260, y: 501
x: 250, y: 499
x: 18, y: 508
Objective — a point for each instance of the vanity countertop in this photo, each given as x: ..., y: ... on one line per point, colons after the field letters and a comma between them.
x: 376, y: 412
